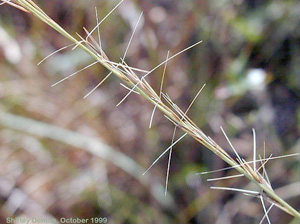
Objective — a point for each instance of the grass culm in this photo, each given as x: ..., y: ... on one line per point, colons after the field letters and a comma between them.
x: 135, y: 80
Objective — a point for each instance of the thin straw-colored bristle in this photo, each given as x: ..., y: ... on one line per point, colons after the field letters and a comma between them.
x: 265, y: 174
x: 126, y: 87
x: 99, y: 84
x: 191, y: 104
x: 152, y: 115
x: 98, y: 24
x: 229, y: 142
x: 163, y: 75
x: 169, y: 161
x: 232, y: 167
x: 235, y: 189
x: 264, y: 163
x: 264, y: 208
x: 125, y: 66
x: 53, y: 53
x: 69, y: 76
x: 132, y: 35
x: 254, y: 149
x: 266, y: 213
x: 14, y: 5
x: 156, y: 67
x: 155, y: 161
x: 160, y: 90
x: 225, y: 178
x: 4, y: 2
x: 98, y: 28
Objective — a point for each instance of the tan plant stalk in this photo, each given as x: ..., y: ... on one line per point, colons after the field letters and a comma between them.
x: 171, y: 111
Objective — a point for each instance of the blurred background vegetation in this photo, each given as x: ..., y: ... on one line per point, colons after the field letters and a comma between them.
x: 65, y: 156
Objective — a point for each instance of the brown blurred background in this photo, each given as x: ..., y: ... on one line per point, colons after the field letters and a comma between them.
x: 65, y: 156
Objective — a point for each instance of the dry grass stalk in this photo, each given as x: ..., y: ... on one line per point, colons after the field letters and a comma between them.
x: 172, y: 112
